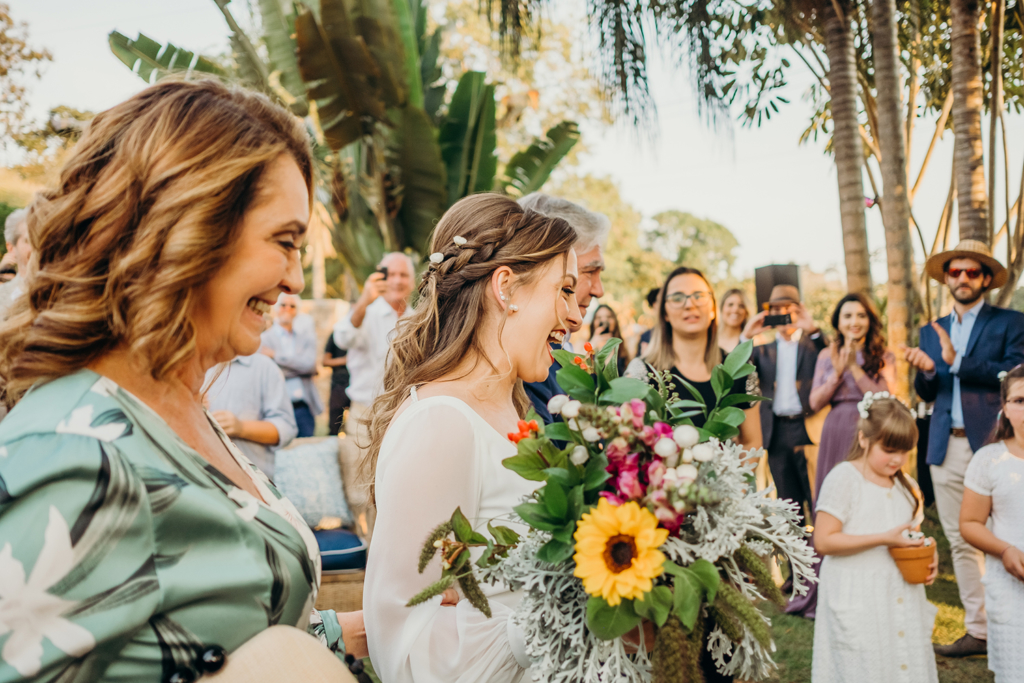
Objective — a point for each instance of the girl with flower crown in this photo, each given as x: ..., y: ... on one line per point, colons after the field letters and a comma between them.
x: 994, y: 487
x: 872, y: 625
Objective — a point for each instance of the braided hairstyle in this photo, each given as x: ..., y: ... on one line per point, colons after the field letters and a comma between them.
x: 441, y: 332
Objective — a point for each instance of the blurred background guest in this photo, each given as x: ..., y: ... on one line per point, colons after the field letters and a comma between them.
x: 366, y: 334
x: 249, y: 401
x: 733, y: 319
x: 855, y: 363
x: 16, y: 236
x: 293, y: 348
x: 336, y: 359
x: 8, y: 268
x: 786, y: 371
x: 685, y: 343
x: 605, y: 326
x: 645, y: 338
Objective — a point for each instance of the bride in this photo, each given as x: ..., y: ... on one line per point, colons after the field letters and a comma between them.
x: 499, y: 290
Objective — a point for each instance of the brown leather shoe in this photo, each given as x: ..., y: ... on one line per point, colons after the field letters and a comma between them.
x: 968, y: 646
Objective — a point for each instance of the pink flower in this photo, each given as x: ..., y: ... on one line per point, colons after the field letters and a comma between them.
x: 649, y: 436
x: 638, y: 408
x: 628, y: 485
x: 611, y: 498
x: 616, y: 449
x: 655, y: 473
x: 663, y: 429
x: 669, y: 518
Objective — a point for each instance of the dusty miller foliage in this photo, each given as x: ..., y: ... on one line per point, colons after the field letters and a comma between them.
x: 552, y: 612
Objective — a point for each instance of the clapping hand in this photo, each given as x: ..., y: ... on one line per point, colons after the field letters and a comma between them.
x: 840, y: 358
x: 918, y: 358
x: 948, y: 352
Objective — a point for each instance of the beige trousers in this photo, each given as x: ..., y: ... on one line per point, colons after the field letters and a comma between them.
x: 351, y: 455
x: 968, y: 561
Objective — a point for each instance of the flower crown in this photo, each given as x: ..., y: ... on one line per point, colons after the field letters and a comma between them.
x: 865, y: 403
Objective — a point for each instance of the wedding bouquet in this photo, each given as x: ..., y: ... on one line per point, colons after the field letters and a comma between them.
x: 641, y: 517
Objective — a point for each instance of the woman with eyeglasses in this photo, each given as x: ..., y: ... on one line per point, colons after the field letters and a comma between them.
x: 685, y: 343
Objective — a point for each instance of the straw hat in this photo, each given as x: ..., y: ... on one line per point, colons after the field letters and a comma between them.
x: 972, y: 249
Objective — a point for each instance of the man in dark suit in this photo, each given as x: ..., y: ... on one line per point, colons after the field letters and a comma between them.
x: 785, y: 369
x: 958, y: 363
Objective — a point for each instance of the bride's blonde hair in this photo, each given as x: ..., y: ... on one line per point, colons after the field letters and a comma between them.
x: 435, y: 339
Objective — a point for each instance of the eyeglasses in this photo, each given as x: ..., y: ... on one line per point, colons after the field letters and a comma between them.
x: 678, y: 299
x: 971, y: 273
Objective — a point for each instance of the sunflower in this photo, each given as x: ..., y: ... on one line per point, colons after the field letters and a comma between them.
x: 617, y: 551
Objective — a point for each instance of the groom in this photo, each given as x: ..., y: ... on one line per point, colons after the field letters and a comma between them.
x: 591, y: 234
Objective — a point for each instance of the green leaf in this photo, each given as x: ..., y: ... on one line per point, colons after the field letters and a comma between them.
x: 528, y: 170
x: 731, y: 416
x: 575, y: 504
x: 477, y: 537
x: 555, y: 456
x: 708, y: 576
x: 578, y: 384
x: 284, y: 67
x: 693, y: 391
x: 607, y: 359
x: 689, y: 404
x: 536, y: 515
x: 415, y: 151
x: 625, y: 389
x: 656, y: 605
x: 565, y: 533
x: 566, y: 477
x: 503, y: 535
x: 554, y: 499
x: 564, y: 358
x: 529, y: 466
x: 720, y: 382
x: 737, y: 358
x: 463, y: 529
x: 719, y: 430
x: 595, y: 474
x: 467, y: 137
x: 152, y: 61
x: 607, y: 622
x: 687, y: 596
x: 555, y: 552
x: 558, y: 431
x: 744, y: 371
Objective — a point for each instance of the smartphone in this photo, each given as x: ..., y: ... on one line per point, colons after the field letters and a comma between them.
x: 601, y: 328
x: 778, y: 320
x: 383, y: 270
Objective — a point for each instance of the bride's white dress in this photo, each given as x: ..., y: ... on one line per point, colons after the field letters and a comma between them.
x: 437, y: 455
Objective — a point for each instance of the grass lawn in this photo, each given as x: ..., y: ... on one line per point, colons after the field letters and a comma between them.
x: 794, y: 636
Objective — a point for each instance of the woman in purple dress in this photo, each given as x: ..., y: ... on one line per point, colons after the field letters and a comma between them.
x: 854, y: 364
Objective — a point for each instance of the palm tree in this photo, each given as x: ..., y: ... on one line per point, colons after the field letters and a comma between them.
x: 846, y: 142
x: 895, y: 206
x: 967, y: 104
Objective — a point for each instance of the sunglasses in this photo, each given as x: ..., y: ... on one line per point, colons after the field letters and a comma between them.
x: 971, y: 273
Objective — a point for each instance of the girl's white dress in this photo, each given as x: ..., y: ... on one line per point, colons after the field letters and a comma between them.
x: 996, y: 472
x: 871, y: 625
x: 437, y: 455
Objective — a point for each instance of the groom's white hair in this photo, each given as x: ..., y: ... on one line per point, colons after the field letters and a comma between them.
x: 591, y: 228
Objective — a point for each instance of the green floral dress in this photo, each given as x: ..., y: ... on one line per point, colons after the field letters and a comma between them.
x: 125, y: 556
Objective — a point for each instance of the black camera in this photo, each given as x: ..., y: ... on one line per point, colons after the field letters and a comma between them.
x: 383, y: 270
x: 778, y: 320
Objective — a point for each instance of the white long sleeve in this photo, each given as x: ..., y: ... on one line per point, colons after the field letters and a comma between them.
x: 437, y: 455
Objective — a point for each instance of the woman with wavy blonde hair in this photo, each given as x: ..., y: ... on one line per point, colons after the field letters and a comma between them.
x: 152, y: 546
x: 498, y: 291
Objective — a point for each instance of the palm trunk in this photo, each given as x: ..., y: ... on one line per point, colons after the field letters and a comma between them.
x: 967, y: 104
x: 846, y: 144
x: 895, y: 207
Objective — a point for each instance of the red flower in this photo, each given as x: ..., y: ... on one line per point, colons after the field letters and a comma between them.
x: 588, y: 347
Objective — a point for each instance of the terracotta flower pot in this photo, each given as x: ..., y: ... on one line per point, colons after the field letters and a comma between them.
x: 913, y: 562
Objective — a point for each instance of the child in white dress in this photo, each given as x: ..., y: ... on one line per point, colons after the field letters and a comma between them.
x: 994, y: 487
x: 871, y: 625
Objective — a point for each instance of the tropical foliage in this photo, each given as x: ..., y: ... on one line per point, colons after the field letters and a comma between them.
x: 393, y: 152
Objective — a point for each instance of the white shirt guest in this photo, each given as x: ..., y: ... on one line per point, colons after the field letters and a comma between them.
x: 249, y: 401
x: 16, y: 236
x: 366, y: 334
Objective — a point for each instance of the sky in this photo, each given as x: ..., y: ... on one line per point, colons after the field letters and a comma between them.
x: 778, y: 197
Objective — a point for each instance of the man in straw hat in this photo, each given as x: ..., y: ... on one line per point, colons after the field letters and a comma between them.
x: 958, y: 363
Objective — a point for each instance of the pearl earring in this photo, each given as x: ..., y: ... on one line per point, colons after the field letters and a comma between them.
x: 513, y: 308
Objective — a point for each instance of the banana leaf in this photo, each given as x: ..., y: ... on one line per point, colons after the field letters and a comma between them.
x: 277, y: 35
x: 529, y: 169
x: 468, y: 139
x: 152, y: 61
x: 340, y: 74
x: 422, y: 183
x: 376, y: 22
x: 429, y: 50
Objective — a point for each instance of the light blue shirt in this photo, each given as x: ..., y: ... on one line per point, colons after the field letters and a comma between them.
x: 295, y: 353
x: 960, y: 335
x: 252, y: 387
x: 787, y: 397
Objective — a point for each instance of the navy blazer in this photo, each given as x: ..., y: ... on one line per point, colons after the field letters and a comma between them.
x: 996, y: 344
